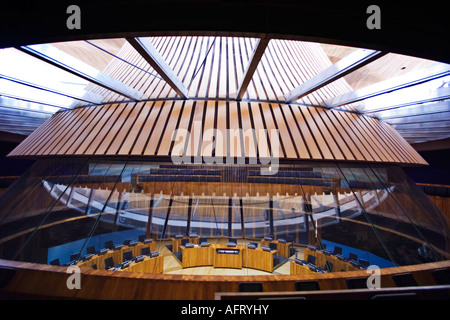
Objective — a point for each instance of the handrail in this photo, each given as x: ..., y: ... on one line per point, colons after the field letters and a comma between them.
x: 50, y: 282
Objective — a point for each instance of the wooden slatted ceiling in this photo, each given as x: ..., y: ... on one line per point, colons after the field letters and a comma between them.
x: 147, y: 128
x: 212, y: 67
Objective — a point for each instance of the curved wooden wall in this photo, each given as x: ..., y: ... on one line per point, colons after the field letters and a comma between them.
x: 147, y: 128
x: 50, y: 282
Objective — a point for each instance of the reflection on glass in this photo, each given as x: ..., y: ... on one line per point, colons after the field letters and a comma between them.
x: 66, y: 209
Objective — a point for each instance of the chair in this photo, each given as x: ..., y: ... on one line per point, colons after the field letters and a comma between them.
x: 250, y: 287
x: 202, y: 239
x: 145, y: 251
x: 404, y: 280
x: 364, y: 263
x: 337, y: 250
x: 357, y: 283
x: 90, y: 250
x: 353, y: 257
x: 126, y: 242
x: 329, y: 266
x: 184, y: 241
x: 109, y: 263
x: 127, y: 255
x: 310, y: 285
x: 141, y: 238
x: 74, y: 256
x: 311, y: 259
x: 109, y: 245
x: 273, y: 246
x: 55, y: 262
x: 232, y: 242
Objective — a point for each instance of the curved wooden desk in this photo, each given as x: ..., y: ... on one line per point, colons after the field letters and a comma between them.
x: 176, y: 242
x: 299, y: 269
x: 228, y: 257
x: 117, y: 255
x: 283, y: 249
x: 148, y: 265
x: 197, y: 256
x: 222, y: 256
x: 259, y: 259
x: 322, y: 258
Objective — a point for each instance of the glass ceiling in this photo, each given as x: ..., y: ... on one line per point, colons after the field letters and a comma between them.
x: 411, y: 94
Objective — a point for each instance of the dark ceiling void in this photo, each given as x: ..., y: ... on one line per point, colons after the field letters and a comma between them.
x: 406, y: 27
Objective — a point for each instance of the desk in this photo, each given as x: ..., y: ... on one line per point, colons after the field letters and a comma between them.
x: 221, y: 256
x: 228, y: 257
x: 117, y: 255
x: 300, y: 269
x: 283, y: 249
x: 258, y: 259
x: 196, y: 256
x: 308, y: 252
x: 194, y: 239
x: 321, y: 258
x: 148, y: 265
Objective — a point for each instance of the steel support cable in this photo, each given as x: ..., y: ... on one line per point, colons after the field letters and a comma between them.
x: 374, y: 228
x: 34, y: 185
x: 99, y: 215
x: 49, y: 210
x: 404, y: 212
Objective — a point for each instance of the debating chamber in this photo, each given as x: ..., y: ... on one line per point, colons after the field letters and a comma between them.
x: 222, y: 161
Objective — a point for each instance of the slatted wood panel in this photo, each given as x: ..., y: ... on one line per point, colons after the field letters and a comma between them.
x: 213, y: 67
x: 147, y: 129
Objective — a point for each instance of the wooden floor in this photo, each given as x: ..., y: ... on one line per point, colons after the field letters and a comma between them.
x: 173, y: 266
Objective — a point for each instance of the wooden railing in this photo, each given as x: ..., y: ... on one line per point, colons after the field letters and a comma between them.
x: 31, y: 280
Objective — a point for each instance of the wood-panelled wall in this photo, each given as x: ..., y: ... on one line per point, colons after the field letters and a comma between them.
x: 147, y: 129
